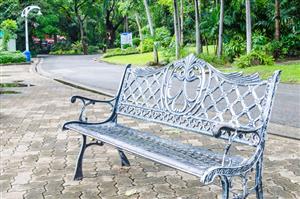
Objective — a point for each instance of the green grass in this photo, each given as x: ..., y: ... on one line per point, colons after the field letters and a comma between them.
x: 290, y: 72
x: 134, y: 59
x: 144, y: 58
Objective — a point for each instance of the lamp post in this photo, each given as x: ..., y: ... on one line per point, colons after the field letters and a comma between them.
x: 25, y: 13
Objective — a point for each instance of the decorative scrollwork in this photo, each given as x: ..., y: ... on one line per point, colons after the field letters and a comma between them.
x: 191, y: 94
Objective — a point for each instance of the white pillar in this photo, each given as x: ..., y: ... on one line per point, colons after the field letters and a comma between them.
x: 26, y: 34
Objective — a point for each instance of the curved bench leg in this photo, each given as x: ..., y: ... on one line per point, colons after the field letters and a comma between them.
x: 124, y: 160
x: 225, y: 187
x: 78, y: 170
x: 258, y: 181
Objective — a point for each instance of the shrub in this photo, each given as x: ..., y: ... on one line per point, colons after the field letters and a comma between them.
x: 212, y: 59
x: 93, y: 49
x: 136, y: 41
x: 259, y: 42
x: 77, y: 47
x: 61, y: 46
x: 119, y: 51
x: 126, y: 46
x: 235, y: 47
x: 9, y: 28
x: 163, y: 36
x: 254, y: 58
x: 146, y: 45
x: 11, y: 57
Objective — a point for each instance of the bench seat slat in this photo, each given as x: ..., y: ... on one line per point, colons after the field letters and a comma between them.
x: 185, y: 157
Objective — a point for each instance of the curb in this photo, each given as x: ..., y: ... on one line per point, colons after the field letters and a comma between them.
x: 38, y: 69
x: 274, y: 129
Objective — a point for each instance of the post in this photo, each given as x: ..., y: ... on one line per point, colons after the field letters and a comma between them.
x: 248, y: 26
x: 26, y: 34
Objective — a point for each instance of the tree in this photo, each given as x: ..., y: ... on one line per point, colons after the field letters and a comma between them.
x: 9, y: 28
x: 181, y: 21
x: 176, y: 28
x: 197, y: 27
x: 221, y: 24
x: 155, y: 53
x: 248, y: 27
x: 277, y: 20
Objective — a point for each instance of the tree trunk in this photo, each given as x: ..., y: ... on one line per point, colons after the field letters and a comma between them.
x: 181, y: 22
x: 197, y: 27
x: 83, y: 43
x: 137, y: 19
x: 221, y: 23
x: 176, y: 28
x: 155, y: 53
x: 248, y: 26
x: 277, y: 20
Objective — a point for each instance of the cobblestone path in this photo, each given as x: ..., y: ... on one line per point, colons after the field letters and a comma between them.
x: 38, y: 159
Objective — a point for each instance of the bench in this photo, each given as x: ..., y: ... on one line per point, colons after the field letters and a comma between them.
x: 191, y: 95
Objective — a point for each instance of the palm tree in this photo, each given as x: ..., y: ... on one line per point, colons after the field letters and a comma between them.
x: 197, y: 26
x: 221, y: 24
x: 248, y: 26
x: 176, y: 27
x: 155, y: 53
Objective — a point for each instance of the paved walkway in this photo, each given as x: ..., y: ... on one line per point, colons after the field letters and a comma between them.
x: 37, y: 158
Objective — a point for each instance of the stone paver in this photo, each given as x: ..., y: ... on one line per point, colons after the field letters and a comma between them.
x: 38, y: 159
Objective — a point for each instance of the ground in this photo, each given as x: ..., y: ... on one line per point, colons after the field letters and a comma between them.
x: 37, y: 158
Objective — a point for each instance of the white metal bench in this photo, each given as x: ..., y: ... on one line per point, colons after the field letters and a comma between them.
x: 191, y: 95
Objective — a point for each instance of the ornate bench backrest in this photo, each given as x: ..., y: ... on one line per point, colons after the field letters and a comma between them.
x: 192, y: 95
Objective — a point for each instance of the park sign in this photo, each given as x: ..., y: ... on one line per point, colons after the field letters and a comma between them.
x: 126, y: 38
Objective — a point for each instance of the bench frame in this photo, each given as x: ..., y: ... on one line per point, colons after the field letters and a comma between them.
x: 225, y: 131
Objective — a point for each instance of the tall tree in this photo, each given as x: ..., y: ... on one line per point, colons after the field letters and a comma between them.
x: 155, y: 53
x: 181, y: 21
x: 197, y: 26
x: 221, y: 25
x: 248, y: 27
x: 277, y: 20
x: 176, y: 28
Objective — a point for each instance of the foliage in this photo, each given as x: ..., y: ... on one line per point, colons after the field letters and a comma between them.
x: 212, y: 59
x: 67, y: 49
x: 11, y: 57
x: 9, y: 28
x: 163, y: 36
x: 119, y: 51
x: 93, y: 49
x: 146, y: 45
x: 235, y: 47
x: 254, y: 58
x: 136, y: 42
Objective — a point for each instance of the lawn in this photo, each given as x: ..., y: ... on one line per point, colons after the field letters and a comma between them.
x: 134, y: 59
x: 290, y: 72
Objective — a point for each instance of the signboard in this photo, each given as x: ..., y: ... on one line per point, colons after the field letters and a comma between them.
x: 126, y: 38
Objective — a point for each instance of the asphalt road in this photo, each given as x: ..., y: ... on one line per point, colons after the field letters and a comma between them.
x: 85, y: 70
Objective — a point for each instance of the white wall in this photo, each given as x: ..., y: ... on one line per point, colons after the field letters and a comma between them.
x: 11, y: 46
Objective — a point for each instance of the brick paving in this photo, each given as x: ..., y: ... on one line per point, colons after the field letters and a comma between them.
x: 38, y: 159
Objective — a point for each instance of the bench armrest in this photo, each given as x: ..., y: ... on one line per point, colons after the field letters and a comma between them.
x: 219, y: 129
x: 229, y: 171
x: 86, y: 102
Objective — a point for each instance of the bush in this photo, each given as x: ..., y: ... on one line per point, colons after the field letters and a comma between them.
x: 235, y: 47
x: 61, y: 46
x: 126, y: 46
x: 259, y: 42
x: 64, y: 52
x: 11, y: 57
x: 136, y: 42
x: 146, y: 45
x: 67, y: 49
x: 212, y: 59
x: 254, y: 58
x: 119, y: 51
x: 93, y: 49
x: 163, y: 36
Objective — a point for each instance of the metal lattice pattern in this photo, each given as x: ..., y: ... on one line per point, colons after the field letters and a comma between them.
x: 176, y: 154
x: 193, y: 95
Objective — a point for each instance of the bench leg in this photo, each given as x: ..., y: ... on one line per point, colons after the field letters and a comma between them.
x: 258, y: 181
x: 78, y: 170
x: 124, y: 160
x: 225, y: 187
